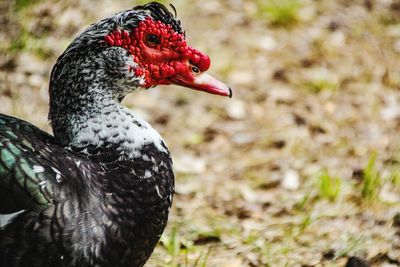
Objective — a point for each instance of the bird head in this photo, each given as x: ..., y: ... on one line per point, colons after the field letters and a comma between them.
x: 161, y: 53
x: 142, y: 47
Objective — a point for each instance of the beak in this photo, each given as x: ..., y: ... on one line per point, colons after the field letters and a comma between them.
x: 203, y: 82
x: 191, y: 73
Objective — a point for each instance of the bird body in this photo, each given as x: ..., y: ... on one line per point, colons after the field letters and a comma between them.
x: 98, y: 192
x: 97, y: 206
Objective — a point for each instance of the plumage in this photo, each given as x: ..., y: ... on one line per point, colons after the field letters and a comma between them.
x: 98, y: 192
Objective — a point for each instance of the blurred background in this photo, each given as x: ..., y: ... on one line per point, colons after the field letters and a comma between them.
x: 300, y: 168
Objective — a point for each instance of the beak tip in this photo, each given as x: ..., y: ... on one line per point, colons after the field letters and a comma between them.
x: 230, y: 92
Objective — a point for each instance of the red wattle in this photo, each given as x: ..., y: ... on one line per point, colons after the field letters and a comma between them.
x: 159, y: 63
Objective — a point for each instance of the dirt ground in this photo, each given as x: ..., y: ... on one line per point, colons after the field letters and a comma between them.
x: 300, y: 168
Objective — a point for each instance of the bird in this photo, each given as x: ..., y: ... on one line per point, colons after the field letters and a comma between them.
x: 97, y: 192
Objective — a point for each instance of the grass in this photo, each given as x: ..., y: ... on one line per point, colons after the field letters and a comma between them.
x: 320, y: 84
x: 329, y: 186
x: 20, y: 43
x: 303, y: 203
x: 26, y: 41
x: 395, y: 177
x: 172, y: 243
x: 22, y: 4
x: 353, y: 243
x: 178, y: 250
x: 305, y: 222
x: 201, y: 261
x: 280, y: 12
x: 372, y: 180
x: 321, y: 80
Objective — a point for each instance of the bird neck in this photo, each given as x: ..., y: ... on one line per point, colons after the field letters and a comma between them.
x: 97, y: 119
x: 109, y: 124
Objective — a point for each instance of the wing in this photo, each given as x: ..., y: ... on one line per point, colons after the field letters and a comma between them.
x: 30, y: 163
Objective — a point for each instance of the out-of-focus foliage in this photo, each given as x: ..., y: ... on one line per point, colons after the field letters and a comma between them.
x: 280, y: 12
x: 372, y: 180
x: 329, y: 187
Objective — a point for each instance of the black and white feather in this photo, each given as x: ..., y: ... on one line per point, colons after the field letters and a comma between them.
x: 98, y: 192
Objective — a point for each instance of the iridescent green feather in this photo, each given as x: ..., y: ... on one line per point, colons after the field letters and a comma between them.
x: 7, y: 158
x: 29, y: 177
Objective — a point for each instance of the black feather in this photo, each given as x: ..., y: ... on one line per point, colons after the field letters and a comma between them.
x: 160, y: 13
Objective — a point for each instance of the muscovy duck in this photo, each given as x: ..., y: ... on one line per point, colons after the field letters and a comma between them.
x: 98, y: 192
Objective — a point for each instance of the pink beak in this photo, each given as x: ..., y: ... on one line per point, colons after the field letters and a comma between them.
x: 204, y: 82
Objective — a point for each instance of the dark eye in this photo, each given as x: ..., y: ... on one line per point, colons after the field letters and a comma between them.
x: 152, y: 39
x: 195, y: 69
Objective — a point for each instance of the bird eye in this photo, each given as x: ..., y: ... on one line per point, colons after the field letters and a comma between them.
x: 195, y: 69
x: 152, y: 39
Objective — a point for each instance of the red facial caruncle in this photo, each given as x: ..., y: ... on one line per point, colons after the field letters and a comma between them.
x: 163, y: 57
